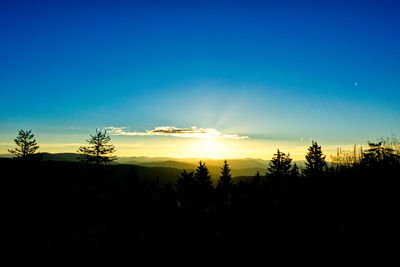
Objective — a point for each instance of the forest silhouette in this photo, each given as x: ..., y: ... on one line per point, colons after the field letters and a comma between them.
x: 86, y: 212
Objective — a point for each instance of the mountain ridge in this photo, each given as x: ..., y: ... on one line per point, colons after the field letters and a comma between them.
x: 239, y: 167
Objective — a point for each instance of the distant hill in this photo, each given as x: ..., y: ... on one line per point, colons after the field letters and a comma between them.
x: 239, y: 167
x: 60, y: 156
x: 235, y: 163
x: 168, y: 163
x: 50, y: 156
x: 148, y: 173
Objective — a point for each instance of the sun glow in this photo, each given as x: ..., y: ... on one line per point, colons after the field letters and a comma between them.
x: 208, y: 147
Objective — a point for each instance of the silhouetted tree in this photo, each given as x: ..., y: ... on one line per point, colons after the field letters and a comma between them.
x: 186, y: 179
x: 225, y: 180
x: 294, y: 172
x: 224, y: 185
x: 203, y: 185
x: 27, y: 145
x: 202, y: 177
x: 98, y: 151
x: 315, y: 160
x: 379, y: 153
x: 280, y: 164
x: 185, y: 188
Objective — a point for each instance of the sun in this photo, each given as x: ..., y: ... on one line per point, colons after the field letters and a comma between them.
x: 208, y: 147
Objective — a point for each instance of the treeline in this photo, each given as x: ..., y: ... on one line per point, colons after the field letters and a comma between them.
x: 68, y: 213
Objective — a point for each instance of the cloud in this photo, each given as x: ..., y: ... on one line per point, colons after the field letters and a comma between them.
x: 192, y: 132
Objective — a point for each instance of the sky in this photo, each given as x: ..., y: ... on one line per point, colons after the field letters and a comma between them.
x: 218, y: 79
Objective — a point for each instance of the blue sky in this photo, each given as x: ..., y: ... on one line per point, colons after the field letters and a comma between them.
x: 279, y: 72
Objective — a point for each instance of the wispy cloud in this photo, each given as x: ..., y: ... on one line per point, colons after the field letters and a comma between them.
x: 192, y: 132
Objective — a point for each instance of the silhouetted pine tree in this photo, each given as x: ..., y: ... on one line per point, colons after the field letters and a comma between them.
x: 225, y: 180
x: 315, y: 164
x: 379, y: 153
x: 98, y: 151
x: 27, y: 145
x: 280, y: 164
x: 294, y: 172
x: 203, y: 184
x: 202, y: 177
x: 184, y: 181
x: 278, y: 173
x: 225, y: 184
x: 185, y: 185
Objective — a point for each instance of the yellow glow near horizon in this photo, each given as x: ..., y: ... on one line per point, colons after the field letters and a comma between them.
x: 208, y: 148
x: 214, y: 148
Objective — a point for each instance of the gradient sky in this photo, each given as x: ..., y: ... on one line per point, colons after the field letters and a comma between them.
x: 280, y: 72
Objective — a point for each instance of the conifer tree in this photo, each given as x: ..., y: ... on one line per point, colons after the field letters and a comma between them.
x: 98, y: 151
x: 202, y: 177
x: 280, y: 164
x: 315, y: 160
x: 380, y: 153
x: 225, y: 180
x: 203, y: 186
x: 185, y: 188
x: 26, y: 145
x: 186, y: 179
x: 294, y: 172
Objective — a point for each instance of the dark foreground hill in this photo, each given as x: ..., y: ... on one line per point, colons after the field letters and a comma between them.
x: 118, y: 172
x: 68, y: 213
